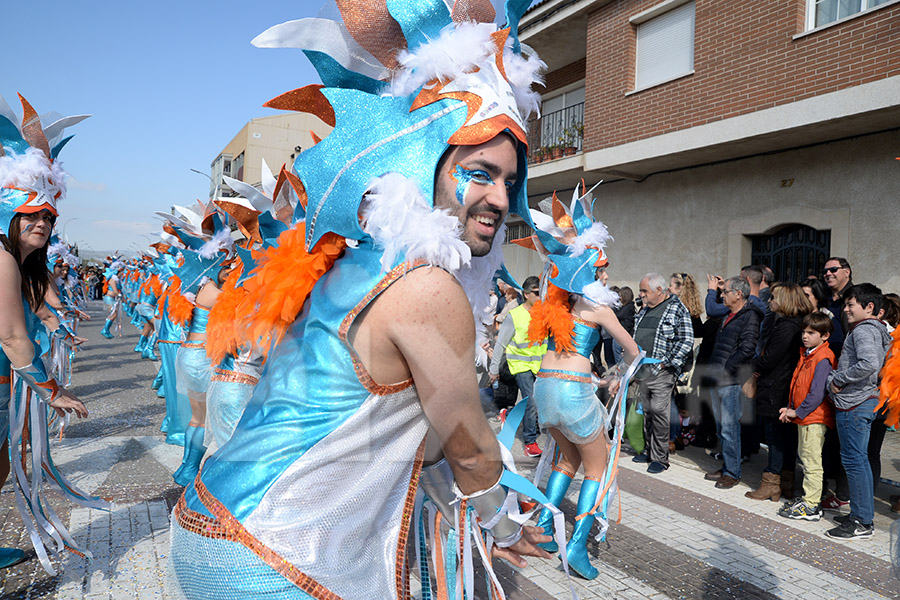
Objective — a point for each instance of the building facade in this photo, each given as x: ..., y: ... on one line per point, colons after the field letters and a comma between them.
x: 725, y: 132
x: 277, y: 139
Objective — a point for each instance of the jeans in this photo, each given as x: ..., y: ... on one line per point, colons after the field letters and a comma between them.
x: 728, y: 404
x: 525, y: 381
x: 854, y: 427
x: 774, y: 432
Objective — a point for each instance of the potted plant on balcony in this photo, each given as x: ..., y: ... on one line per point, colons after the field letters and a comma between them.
x: 539, y: 155
x: 568, y: 140
x: 555, y: 151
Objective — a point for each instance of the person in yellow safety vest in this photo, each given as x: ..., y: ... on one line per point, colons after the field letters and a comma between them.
x: 523, y: 360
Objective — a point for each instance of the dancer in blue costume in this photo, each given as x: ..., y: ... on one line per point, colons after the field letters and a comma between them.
x: 112, y: 297
x: 200, y: 276
x: 31, y: 182
x: 575, y: 303
x: 313, y: 494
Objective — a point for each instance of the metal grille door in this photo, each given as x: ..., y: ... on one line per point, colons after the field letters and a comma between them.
x: 794, y: 252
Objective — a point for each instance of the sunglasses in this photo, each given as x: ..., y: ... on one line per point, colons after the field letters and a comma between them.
x: 833, y: 269
x: 535, y: 292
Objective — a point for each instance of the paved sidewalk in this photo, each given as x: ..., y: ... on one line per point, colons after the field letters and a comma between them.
x: 679, y: 537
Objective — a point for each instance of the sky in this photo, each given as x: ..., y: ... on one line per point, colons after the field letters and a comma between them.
x: 168, y: 85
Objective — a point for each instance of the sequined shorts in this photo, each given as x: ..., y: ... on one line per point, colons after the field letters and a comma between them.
x: 109, y: 300
x: 566, y: 400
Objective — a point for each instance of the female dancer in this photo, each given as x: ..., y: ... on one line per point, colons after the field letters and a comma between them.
x: 572, y: 310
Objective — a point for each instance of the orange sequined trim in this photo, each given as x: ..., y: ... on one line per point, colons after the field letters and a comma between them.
x: 198, y: 523
x: 364, y: 378
x: 401, y: 574
x: 233, y: 377
x: 585, y: 323
x: 563, y: 471
x: 235, y: 532
x: 169, y: 341
x: 565, y: 376
x: 193, y: 344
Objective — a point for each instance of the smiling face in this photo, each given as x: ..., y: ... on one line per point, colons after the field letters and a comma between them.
x: 474, y: 183
x: 836, y: 277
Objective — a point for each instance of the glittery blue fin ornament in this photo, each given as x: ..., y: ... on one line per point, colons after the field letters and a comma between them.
x: 195, y: 268
x: 333, y: 74
x: 270, y: 228
x: 514, y: 11
x: 337, y: 170
x: 10, y: 136
x: 246, y: 257
x: 54, y: 152
x: 420, y: 20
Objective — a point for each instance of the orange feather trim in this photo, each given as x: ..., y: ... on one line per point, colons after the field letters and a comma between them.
x: 223, y: 334
x: 180, y: 308
x: 552, y: 316
x: 890, y: 383
x: 105, y: 287
x: 283, y: 279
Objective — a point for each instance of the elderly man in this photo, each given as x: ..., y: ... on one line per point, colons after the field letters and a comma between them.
x: 731, y: 365
x: 663, y: 330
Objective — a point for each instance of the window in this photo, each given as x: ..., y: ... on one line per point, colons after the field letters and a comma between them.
x: 794, y: 252
x: 517, y: 230
x: 823, y: 12
x: 562, y: 119
x: 664, y: 45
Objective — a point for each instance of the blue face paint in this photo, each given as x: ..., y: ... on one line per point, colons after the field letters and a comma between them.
x: 464, y: 178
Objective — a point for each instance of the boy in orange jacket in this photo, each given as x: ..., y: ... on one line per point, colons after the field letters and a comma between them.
x: 812, y: 411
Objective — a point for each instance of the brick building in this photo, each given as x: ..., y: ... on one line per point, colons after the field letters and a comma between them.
x: 726, y: 132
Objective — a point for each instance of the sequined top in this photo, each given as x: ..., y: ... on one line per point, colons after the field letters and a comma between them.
x: 317, y: 421
x: 584, y: 337
x: 199, y: 319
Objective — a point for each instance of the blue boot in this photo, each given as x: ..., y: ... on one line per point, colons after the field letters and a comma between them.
x: 148, y: 352
x: 105, y: 332
x: 193, y: 458
x: 158, y: 381
x: 188, y: 436
x: 557, y: 486
x: 576, y: 551
x: 141, y: 343
x: 10, y: 557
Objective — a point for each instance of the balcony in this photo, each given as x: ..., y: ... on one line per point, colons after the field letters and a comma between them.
x: 556, y: 134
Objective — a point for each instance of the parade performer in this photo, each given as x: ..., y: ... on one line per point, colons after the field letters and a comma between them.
x: 171, y: 335
x: 148, y: 297
x: 112, y: 297
x: 31, y: 183
x: 364, y: 304
x: 200, y: 277
x: 573, y: 308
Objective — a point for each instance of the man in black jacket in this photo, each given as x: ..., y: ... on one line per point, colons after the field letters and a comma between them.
x: 731, y: 366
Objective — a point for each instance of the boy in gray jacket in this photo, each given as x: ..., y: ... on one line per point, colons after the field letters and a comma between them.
x: 853, y: 387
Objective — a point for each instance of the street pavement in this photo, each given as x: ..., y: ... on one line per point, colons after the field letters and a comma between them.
x: 679, y: 536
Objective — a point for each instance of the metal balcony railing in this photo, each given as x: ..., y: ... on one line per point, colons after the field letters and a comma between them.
x: 556, y: 134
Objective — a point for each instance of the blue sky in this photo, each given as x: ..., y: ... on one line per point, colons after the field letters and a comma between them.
x: 168, y: 84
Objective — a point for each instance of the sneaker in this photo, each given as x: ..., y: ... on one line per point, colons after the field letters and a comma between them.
x: 503, y: 412
x: 640, y: 458
x: 533, y: 449
x: 801, y: 510
x: 851, y: 529
x: 656, y: 467
x: 841, y: 519
x: 717, y: 456
x: 833, y: 503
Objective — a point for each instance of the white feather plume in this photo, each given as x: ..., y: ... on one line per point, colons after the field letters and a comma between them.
x: 598, y: 293
x: 522, y: 71
x: 58, y: 249
x: 25, y: 170
x: 399, y: 219
x: 220, y: 241
x: 596, y: 237
x: 454, y: 54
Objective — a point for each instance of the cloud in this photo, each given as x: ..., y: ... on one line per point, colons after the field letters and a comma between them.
x: 138, y: 227
x: 88, y: 186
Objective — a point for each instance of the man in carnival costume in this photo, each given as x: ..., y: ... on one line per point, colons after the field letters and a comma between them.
x: 31, y: 183
x: 371, y: 347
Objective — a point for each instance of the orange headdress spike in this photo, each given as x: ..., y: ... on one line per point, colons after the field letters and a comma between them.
x: 31, y: 128
x: 308, y: 99
x: 373, y: 27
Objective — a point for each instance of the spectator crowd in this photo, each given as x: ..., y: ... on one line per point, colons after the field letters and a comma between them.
x: 792, y: 368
